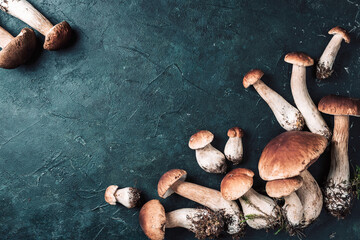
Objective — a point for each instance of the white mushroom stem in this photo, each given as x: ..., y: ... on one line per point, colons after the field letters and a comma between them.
x: 234, y: 150
x: 293, y: 209
x: 288, y: 116
x: 127, y: 196
x: 262, y: 208
x: 327, y: 59
x: 212, y: 199
x: 26, y: 12
x: 5, y: 37
x: 304, y: 103
x: 210, y: 159
x: 184, y: 218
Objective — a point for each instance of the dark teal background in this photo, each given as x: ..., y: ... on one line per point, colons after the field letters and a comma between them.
x: 119, y: 106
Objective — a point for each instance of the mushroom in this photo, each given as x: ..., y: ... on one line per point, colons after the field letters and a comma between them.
x: 209, y: 158
x: 234, y: 147
x: 338, y: 192
x: 288, y: 116
x: 174, y: 181
x: 203, y: 222
x: 324, y: 68
x: 129, y: 197
x: 56, y: 37
x: 313, y: 118
x: 259, y: 211
x: 16, y: 50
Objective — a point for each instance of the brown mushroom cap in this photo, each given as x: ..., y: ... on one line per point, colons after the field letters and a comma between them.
x: 299, y: 58
x: 252, y: 77
x: 290, y: 153
x: 152, y: 220
x: 200, y: 139
x: 284, y: 187
x: 339, y: 105
x: 19, y: 50
x: 110, y: 194
x: 58, y: 37
x: 338, y: 30
x: 236, y: 183
x: 168, y: 179
x: 235, y: 132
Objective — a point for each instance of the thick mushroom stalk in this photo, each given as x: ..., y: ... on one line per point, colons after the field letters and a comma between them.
x: 303, y: 101
x: 174, y: 181
x: 324, y: 68
x: 234, y: 147
x: 288, y: 116
x: 128, y: 197
x: 56, y: 37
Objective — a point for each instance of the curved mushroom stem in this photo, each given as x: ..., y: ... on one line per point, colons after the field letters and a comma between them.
x: 210, y: 159
x: 311, y: 198
x: 5, y: 37
x: 212, y: 199
x: 129, y: 197
x: 293, y: 209
x: 303, y: 101
x: 338, y: 194
x: 288, y: 116
x: 234, y: 150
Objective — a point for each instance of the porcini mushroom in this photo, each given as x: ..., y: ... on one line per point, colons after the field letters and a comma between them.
x: 288, y: 116
x: 129, y: 196
x: 203, y: 222
x: 56, y: 37
x: 338, y: 192
x: 303, y: 101
x: 259, y: 211
x: 174, y: 181
x: 234, y: 147
x: 324, y: 68
x: 16, y: 50
x: 209, y: 158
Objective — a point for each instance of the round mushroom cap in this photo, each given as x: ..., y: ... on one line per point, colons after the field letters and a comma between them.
x: 283, y: 187
x: 19, y: 50
x: 235, y: 132
x: 58, y: 37
x: 168, y: 179
x: 342, y: 32
x: 290, y: 153
x: 236, y: 183
x: 252, y: 77
x: 152, y: 220
x: 110, y: 194
x: 200, y: 139
x: 339, y: 105
x: 299, y: 58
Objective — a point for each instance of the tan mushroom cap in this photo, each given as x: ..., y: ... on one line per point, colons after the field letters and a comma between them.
x: 235, y: 132
x: 168, y: 179
x: 110, y: 194
x: 339, y: 30
x: 339, y: 105
x: 152, y: 220
x: 236, y: 183
x: 200, y: 139
x: 58, y: 37
x: 299, y: 58
x: 283, y: 187
x: 290, y: 153
x: 19, y: 50
x: 252, y: 77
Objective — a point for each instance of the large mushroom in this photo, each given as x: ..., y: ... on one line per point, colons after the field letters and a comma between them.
x: 287, y: 115
x: 203, y: 222
x: 338, y: 192
x: 259, y: 211
x: 324, y: 68
x: 234, y: 148
x: 174, y: 181
x: 56, y: 37
x: 16, y: 50
x: 303, y: 101
x: 128, y: 196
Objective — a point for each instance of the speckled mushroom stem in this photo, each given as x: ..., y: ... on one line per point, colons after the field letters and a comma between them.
x: 303, y: 101
x: 5, y: 37
x: 326, y: 62
x: 293, y: 209
x: 210, y: 159
x: 184, y: 217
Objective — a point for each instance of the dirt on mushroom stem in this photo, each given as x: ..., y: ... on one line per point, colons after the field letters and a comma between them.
x: 323, y: 72
x: 338, y: 198
x: 135, y: 196
x: 208, y: 226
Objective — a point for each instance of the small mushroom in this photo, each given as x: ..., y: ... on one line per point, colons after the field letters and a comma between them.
x: 262, y: 210
x: 16, y: 50
x: 288, y: 116
x: 234, y: 147
x: 129, y: 197
x: 56, y: 37
x: 209, y: 158
x: 324, y: 68
x: 338, y: 192
x: 303, y: 101
x: 174, y: 181
x: 203, y: 222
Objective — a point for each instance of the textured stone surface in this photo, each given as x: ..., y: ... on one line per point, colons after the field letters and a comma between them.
x: 119, y: 106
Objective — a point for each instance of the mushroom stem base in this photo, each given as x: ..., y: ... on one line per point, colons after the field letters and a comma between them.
x: 322, y: 71
x: 338, y: 198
